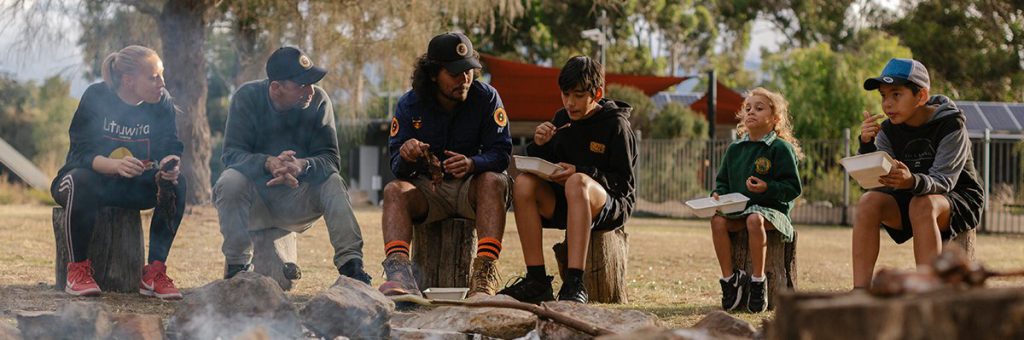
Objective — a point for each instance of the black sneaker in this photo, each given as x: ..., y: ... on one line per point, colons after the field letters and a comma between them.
x: 233, y: 269
x: 732, y: 290
x: 530, y: 290
x: 573, y: 290
x: 292, y: 271
x: 354, y: 269
x: 758, y: 300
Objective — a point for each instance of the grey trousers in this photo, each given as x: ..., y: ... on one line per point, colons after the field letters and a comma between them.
x: 242, y: 209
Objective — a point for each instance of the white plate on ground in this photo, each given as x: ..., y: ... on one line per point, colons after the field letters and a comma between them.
x: 536, y: 166
x: 867, y: 168
x: 446, y: 293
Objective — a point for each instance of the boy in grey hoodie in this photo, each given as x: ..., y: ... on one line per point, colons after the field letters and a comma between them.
x: 933, y: 191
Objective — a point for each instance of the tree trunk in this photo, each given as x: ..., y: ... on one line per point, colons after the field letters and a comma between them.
x: 972, y: 314
x: 116, y: 249
x: 443, y: 252
x: 605, y: 272
x: 779, y: 262
x: 183, y: 25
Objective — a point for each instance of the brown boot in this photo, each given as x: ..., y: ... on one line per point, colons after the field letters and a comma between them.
x: 484, y: 277
x: 400, y: 279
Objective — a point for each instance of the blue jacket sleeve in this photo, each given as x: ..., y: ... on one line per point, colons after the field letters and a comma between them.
x: 400, y: 126
x: 496, y: 142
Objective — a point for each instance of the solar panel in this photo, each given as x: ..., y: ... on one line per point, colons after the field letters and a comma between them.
x: 998, y: 117
x: 974, y: 119
x: 1018, y: 112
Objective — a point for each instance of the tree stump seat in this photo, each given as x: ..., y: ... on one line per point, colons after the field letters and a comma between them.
x: 443, y: 251
x: 273, y: 248
x: 605, y: 273
x: 116, y: 249
x: 779, y: 262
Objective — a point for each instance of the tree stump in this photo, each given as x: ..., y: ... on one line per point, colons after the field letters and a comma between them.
x: 272, y: 248
x: 443, y: 252
x: 779, y: 263
x: 605, y: 272
x: 983, y: 313
x: 116, y: 249
x: 966, y: 241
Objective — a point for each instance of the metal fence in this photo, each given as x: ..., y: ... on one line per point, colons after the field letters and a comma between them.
x: 670, y: 172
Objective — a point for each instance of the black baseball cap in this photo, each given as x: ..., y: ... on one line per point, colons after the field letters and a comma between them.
x: 454, y: 51
x: 900, y: 71
x: 289, y: 63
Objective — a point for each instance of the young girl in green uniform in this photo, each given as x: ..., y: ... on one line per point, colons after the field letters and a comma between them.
x: 761, y: 165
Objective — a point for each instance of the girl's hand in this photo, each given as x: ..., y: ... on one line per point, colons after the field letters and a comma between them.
x: 714, y: 195
x: 756, y: 185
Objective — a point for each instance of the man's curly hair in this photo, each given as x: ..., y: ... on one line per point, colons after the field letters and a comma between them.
x: 423, y: 74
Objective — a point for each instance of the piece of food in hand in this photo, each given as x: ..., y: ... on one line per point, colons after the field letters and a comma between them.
x: 165, y: 194
x: 434, y: 168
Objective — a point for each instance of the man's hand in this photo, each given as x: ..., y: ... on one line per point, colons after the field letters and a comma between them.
x: 756, y: 185
x: 458, y: 164
x: 173, y: 174
x: 869, y: 127
x: 285, y: 169
x: 545, y: 131
x: 413, y: 149
x: 899, y: 177
x: 561, y: 175
x: 286, y: 179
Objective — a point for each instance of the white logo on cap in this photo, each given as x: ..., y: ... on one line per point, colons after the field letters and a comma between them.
x: 305, y: 62
x: 462, y: 49
x: 887, y: 80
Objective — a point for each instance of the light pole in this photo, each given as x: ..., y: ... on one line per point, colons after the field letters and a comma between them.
x: 599, y: 35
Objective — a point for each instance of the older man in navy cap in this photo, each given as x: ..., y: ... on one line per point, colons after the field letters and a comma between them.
x: 281, y: 158
x: 460, y: 121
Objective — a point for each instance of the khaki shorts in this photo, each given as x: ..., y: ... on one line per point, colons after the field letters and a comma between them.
x: 451, y: 198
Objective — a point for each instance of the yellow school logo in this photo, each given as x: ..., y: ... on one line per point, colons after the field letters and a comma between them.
x: 762, y: 165
x: 120, y: 153
x: 500, y: 118
x: 394, y: 126
x: 596, y: 147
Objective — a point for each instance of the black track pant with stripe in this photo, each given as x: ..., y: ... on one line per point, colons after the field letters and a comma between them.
x: 82, y: 192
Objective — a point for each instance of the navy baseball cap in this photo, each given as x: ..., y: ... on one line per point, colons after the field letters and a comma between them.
x: 898, y: 72
x: 454, y: 51
x: 289, y: 63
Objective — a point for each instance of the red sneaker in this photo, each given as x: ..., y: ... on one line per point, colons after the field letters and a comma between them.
x: 80, y: 281
x: 156, y: 283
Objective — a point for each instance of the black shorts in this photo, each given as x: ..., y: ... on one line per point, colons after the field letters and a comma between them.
x: 964, y: 214
x: 611, y: 217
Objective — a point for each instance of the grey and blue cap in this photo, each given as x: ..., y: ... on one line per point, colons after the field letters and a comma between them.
x: 900, y: 71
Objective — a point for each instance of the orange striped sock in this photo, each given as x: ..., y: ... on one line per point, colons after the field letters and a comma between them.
x: 489, y: 247
x: 397, y: 246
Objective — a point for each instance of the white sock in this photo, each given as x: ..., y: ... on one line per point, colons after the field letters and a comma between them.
x: 758, y: 279
x: 726, y: 279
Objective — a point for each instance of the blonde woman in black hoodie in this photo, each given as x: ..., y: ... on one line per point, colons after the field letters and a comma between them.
x: 593, y: 143
x: 122, y: 135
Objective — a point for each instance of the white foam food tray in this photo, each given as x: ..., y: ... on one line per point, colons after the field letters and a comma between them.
x: 726, y: 204
x: 446, y: 293
x: 867, y: 168
x: 536, y: 166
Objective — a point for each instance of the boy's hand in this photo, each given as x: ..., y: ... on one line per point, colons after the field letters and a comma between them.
x: 869, y: 127
x: 458, y: 164
x: 756, y: 185
x: 899, y: 177
x: 413, y: 149
x: 545, y: 131
x: 561, y: 175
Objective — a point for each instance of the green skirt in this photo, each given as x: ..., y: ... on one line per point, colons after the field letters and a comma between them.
x: 781, y: 221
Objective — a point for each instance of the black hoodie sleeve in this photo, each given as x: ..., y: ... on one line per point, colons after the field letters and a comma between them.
x: 546, y: 151
x: 166, y: 138
x: 618, y: 178
x: 84, y: 142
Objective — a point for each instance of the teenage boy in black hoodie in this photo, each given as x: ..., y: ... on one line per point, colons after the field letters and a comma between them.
x: 592, y: 142
x: 932, y: 192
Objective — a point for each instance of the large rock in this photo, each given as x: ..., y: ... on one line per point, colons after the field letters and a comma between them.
x: 351, y: 309
x: 227, y: 308
x: 8, y: 332
x: 721, y: 323
x: 136, y: 326
x: 493, y: 322
x: 656, y: 333
x: 79, y: 319
x: 619, y: 321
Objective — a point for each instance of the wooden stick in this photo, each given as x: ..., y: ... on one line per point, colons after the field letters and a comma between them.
x: 541, y: 311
